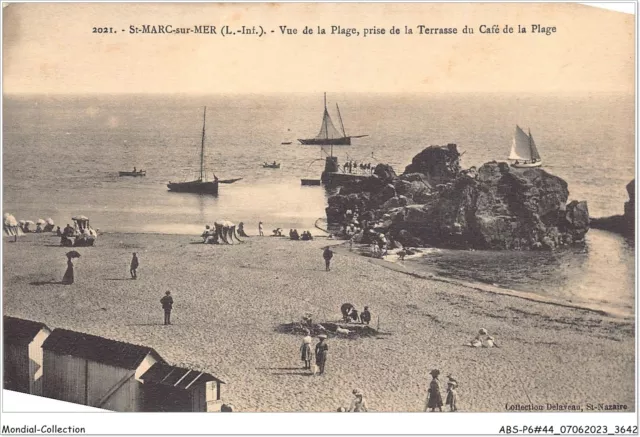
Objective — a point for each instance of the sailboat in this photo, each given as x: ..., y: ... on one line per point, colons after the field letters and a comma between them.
x: 524, y: 151
x: 200, y: 185
x: 328, y: 134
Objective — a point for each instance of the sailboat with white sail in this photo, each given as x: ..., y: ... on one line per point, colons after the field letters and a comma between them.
x: 329, y: 135
x: 524, y: 152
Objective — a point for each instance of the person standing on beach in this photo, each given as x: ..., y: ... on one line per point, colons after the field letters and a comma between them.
x: 68, y: 275
x: 134, y: 266
x: 305, y: 350
x: 327, y: 255
x: 260, y: 230
x: 167, y: 304
x: 434, y: 398
x: 321, y: 353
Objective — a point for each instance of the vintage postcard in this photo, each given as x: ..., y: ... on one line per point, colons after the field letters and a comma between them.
x: 319, y: 208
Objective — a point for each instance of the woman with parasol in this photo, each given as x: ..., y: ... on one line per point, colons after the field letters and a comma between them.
x: 68, y: 275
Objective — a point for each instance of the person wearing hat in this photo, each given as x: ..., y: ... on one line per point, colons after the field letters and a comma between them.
x: 321, y: 353
x: 452, y: 395
x: 305, y: 350
x: 359, y: 404
x: 434, y: 398
x: 167, y: 305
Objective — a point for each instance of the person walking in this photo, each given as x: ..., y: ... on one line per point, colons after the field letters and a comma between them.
x: 134, y: 266
x: 322, y: 350
x: 68, y: 275
x: 327, y: 255
x: 167, y: 305
x: 359, y: 404
x: 434, y: 398
x: 260, y: 229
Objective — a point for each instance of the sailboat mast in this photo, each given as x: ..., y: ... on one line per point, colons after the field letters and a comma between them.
x: 341, y: 124
x: 204, y: 122
x: 530, y: 146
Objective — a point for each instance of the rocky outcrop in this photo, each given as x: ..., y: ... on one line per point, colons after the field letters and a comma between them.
x: 435, y: 202
x: 621, y: 224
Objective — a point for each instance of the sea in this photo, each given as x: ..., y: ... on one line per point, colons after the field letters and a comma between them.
x: 62, y: 154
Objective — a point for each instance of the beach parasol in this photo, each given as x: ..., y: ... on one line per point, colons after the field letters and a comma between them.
x: 29, y: 222
x: 40, y: 222
x: 50, y: 221
x: 73, y: 254
x: 80, y: 217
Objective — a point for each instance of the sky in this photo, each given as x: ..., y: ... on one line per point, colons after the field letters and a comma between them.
x: 50, y: 48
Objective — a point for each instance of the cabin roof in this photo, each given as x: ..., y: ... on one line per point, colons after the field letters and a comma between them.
x: 179, y: 377
x: 99, y: 349
x: 20, y: 331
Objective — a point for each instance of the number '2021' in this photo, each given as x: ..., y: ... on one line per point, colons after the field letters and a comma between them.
x: 103, y: 30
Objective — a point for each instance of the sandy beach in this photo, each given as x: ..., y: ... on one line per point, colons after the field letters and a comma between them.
x: 229, y: 300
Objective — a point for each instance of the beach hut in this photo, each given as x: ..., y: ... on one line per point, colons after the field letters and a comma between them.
x: 95, y: 371
x: 171, y: 388
x: 23, y: 354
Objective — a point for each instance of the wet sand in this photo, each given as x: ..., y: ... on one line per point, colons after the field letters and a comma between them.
x: 229, y: 301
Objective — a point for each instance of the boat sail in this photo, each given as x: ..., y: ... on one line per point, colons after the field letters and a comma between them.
x: 200, y: 185
x: 524, y: 151
x: 328, y: 134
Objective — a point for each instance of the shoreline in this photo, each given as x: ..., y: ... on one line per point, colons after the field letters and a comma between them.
x: 400, y: 267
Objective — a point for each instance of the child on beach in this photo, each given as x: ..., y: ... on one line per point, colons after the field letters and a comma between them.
x: 305, y: 350
x: 452, y: 396
x: 321, y: 353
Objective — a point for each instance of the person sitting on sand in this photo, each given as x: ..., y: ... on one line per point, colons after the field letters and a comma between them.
x: 359, y: 404
x: 434, y: 398
x: 477, y: 342
x: 490, y: 342
x: 58, y: 232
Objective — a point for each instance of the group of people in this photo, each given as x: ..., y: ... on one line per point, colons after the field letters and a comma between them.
x: 294, y: 235
x: 434, y: 396
x: 321, y: 352
x: 349, y: 313
x: 353, y: 167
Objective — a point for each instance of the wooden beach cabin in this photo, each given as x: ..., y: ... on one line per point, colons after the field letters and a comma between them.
x: 95, y: 371
x: 23, y: 358
x: 176, y: 389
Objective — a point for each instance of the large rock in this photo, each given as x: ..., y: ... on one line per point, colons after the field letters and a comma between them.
x: 622, y: 224
x: 495, y: 207
x: 438, y: 164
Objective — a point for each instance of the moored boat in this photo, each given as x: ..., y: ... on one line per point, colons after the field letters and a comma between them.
x: 200, y: 185
x: 329, y: 135
x: 273, y: 165
x: 133, y: 173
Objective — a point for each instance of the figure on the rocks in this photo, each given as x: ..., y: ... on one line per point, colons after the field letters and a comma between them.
x: 434, y: 398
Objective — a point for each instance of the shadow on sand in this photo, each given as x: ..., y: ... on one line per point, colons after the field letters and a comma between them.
x: 50, y: 282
